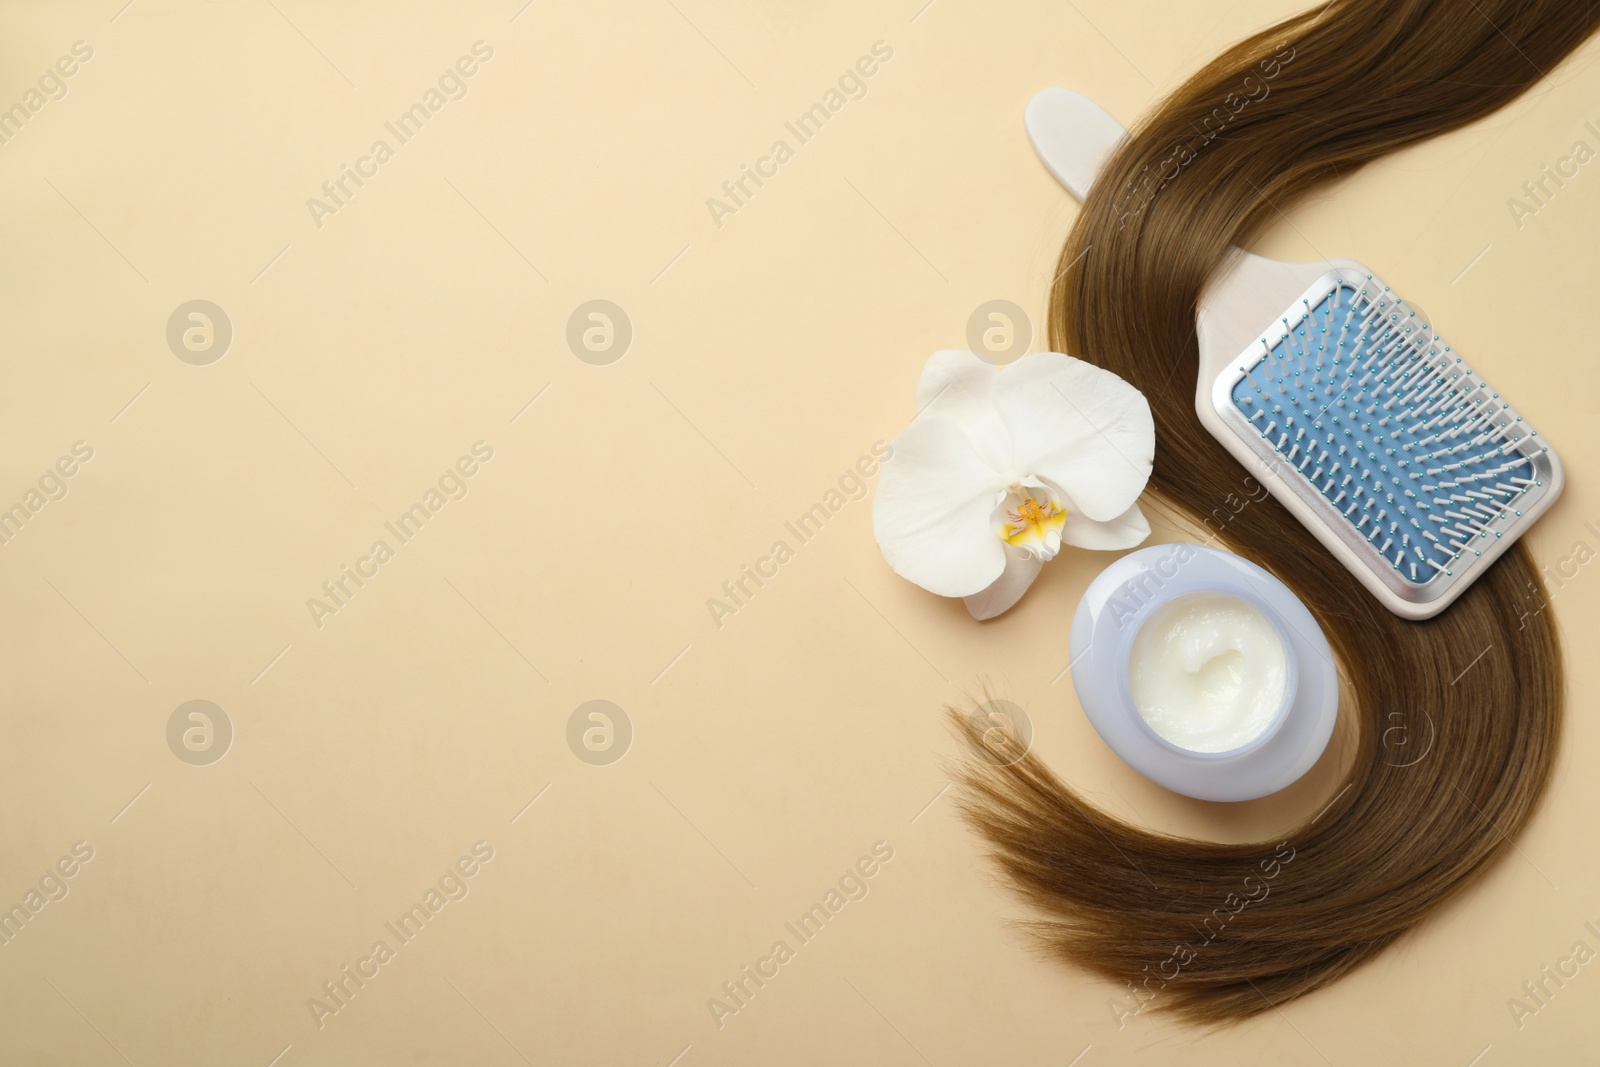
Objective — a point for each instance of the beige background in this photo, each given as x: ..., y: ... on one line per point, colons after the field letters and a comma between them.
x: 768, y: 354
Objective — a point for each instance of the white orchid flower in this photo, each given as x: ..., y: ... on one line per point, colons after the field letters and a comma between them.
x: 1004, y: 465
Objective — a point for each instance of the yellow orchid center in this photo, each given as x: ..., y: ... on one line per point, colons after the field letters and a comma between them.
x: 1031, y: 517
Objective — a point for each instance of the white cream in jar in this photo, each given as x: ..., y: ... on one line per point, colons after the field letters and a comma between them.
x: 1208, y: 672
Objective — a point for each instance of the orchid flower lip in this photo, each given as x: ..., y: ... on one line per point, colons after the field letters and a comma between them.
x: 1029, y: 515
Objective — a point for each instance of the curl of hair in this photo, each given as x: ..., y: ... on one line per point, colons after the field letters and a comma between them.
x: 1355, y: 79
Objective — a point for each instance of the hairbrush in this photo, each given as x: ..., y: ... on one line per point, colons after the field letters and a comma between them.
x: 1345, y: 403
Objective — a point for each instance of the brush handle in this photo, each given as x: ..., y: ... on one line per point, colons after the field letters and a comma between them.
x: 1075, y: 137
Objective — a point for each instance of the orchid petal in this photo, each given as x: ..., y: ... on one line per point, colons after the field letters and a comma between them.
x: 931, y: 512
x: 1022, y: 567
x: 1126, y: 530
x: 1079, y: 427
x: 959, y: 386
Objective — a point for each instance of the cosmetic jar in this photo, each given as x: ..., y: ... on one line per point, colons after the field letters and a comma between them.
x: 1230, y: 663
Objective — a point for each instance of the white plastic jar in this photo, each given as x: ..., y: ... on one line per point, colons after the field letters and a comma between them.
x: 1204, y: 672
